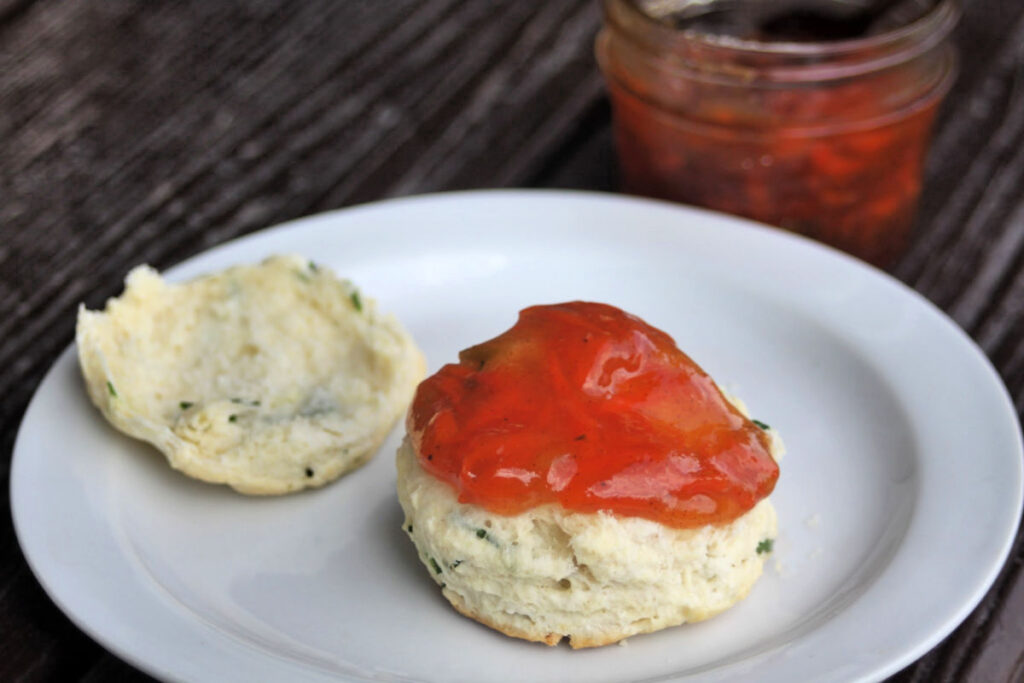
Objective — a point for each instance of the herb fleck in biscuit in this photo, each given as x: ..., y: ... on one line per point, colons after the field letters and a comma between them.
x: 269, y: 378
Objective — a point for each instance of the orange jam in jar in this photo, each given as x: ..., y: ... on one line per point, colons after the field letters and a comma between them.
x: 814, y: 116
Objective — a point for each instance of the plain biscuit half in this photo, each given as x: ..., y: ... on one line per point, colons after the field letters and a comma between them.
x: 268, y: 378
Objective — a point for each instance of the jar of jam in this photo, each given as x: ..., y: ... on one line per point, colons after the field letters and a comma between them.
x: 813, y: 115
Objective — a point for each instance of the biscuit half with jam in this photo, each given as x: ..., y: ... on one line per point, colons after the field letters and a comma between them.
x: 579, y: 477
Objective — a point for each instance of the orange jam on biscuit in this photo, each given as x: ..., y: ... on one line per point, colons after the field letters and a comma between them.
x: 586, y: 406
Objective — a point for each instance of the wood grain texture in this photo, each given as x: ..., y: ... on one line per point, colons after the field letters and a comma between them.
x: 147, y: 132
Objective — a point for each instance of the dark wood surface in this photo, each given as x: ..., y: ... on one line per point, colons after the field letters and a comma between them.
x: 146, y: 132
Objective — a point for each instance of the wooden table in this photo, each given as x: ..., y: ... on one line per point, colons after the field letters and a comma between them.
x: 146, y: 132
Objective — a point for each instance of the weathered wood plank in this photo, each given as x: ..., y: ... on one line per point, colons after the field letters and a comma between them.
x: 11, y: 11
x: 1002, y: 658
x: 586, y: 158
x: 981, y: 229
x: 39, y: 643
x: 497, y: 130
x: 193, y: 146
x: 982, y: 128
x: 110, y: 669
x: 991, y: 289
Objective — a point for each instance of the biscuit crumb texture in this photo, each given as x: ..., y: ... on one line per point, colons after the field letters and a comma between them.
x: 269, y: 378
x: 595, y: 579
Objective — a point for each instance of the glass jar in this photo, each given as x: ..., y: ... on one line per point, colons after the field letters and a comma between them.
x: 823, y: 138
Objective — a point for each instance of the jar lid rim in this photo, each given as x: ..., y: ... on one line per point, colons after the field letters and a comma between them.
x: 940, y: 19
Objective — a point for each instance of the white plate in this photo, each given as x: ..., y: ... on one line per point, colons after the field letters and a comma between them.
x: 898, y: 499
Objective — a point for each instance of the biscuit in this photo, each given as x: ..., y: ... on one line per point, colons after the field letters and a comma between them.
x: 269, y: 378
x: 550, y: 573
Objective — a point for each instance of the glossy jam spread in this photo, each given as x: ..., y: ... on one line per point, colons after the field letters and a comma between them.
x: 588, y: 406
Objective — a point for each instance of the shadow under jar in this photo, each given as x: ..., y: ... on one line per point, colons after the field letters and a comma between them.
x: 811, y: 115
